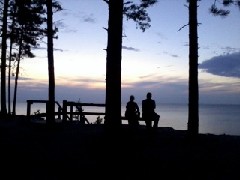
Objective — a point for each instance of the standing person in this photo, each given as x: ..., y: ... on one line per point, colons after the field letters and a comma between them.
x: 132, y: 112
x: 148, y: 111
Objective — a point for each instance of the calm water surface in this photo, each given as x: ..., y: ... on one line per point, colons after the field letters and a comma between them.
x: 214, y: 119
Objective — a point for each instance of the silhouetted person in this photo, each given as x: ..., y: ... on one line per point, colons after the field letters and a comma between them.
x: 132, y: 112
x: 148, y: 112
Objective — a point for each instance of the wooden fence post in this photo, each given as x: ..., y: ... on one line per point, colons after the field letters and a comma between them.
x: 29, y: 103
x: 59, y: 112
x: 64, y: 110
x: 71, y: 112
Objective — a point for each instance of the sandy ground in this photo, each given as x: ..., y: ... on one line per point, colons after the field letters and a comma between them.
x: 73, y: 151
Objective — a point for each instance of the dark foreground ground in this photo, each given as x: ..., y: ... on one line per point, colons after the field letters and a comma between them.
x: 72, y: 151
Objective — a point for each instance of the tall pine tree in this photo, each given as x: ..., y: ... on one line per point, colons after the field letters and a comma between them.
x: 3, y: 59
x: 193, y: 106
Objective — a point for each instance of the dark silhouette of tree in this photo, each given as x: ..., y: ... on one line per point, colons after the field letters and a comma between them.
x: 113, y: 64
x: 16, y: 32
x: 193, y: 89
x: 25, y: 33
x: 51, y: 6
x: 51, y: 73
x: 223, y: 12
x: 193, y: 106
x: 3, y: 58
x: 114, y: 52
x: 193, y: 111
x: 11, y: 59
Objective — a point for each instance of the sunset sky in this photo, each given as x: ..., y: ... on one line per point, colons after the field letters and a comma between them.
x: 155, y: 60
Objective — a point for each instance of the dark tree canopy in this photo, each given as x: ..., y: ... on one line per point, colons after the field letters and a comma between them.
x: 23, y: 23
x: 138, y: 12
x: 216, y: 11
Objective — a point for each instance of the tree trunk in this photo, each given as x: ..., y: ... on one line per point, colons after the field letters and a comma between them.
x: 10, y: 61
x: 3, y: 60
x: 15, y: 87
x: 51, y: 93
x: 113, y: 64
x: 9, y: 78
x: 193, y: 114
x: 17, y: 74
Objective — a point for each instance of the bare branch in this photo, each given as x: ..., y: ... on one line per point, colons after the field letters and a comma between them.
x: 105, y: 28
x: 183, y: 27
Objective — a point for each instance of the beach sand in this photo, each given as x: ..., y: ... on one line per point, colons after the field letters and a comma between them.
x: 74, y: 151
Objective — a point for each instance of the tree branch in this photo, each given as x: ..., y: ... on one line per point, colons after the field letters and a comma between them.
x: 105, y: 28
x: 183, y: 27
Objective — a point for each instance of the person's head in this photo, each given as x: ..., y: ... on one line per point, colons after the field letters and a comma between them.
x: 131, y: 98
x: 149, y: 95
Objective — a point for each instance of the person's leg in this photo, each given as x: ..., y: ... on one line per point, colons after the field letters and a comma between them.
x: 136, y: 123
x: 148, y: 123
x: 156, y: 120
x: 130, y: 123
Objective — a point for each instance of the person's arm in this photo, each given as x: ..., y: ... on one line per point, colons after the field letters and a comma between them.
x: 127, y: 106
x: 137, y: 108
x: 154, y: 104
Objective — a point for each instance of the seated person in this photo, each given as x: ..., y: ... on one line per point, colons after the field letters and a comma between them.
x: 148, y: 111
x: 132, y: 112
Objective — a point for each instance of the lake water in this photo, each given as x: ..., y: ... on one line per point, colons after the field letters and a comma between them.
x: 214, y: 119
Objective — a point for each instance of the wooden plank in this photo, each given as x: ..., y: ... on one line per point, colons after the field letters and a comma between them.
x: 93, y: 113
x: 92, y: 104
x: 73, y: 113
x: 84, y: 113
x: 139, y: 119
x: 87, y: 113
x: 40, y: 101
x: 69, y: 103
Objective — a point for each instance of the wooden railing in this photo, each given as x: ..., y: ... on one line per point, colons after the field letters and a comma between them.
x: 66, y: 111
x: 30, y: 102
x: 79, y: 106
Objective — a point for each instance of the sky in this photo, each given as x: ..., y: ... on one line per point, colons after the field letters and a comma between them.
x: 152, y: 61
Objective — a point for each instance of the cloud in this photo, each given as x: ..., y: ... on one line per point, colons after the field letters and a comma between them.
x: 62, y: 92
x: 219, y: 93
x: 174, y: 55
x: 225, y: 65
x: 186, y: 44
x: 170, y: 54
x: 164, y: 89
x: 205, y: 47
x: 162, y: 36
x: 130, y: 48
x: 64, y: 28
x: 229, y: 49
x: 88, y: 90
x: 85, y: 17
x: 23, y: 78
x: 89, y: 18
x: 45, y: 48
x: 65, y: 25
